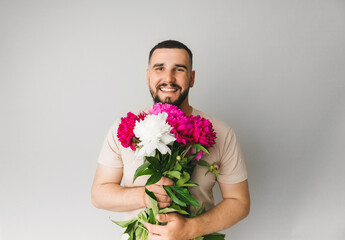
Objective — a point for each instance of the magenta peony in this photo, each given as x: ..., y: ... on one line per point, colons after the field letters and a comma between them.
x: 203, y: 131
x: 182, y: 127
x: 125, y: 132
x: 187, y: 130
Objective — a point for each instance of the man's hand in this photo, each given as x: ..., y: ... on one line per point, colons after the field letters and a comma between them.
x: 162, y: 197
x: 176, y: 228
x: 234, y: 207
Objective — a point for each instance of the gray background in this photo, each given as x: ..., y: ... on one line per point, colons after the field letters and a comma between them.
x: 272, y: 69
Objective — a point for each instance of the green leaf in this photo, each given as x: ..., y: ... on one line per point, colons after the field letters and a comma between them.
x: 143, y: 221
x: 184, y: 178
x: 188, y: 184
x: 173, y: 196
x: 170, y: 210
x: 142, y: 216
x: 190, y: 157
x: 144, y: 233
x: 151, y: 218
x: 200, y: 210
x: 164, y: 160
x: 214, y: 236
x: 140, y: 170
x: 131, y: 236
x: 130, y: 228
x: 216, y: 172
x: 155, y: 177
x: 154, y: 162
x: 203, y: 163
x: 153, y: 203
x: 184, y: 161
x: 172, y: 159
x: 174, y: 174
x: 185, y: 196
x: 201, y: 147
x: 177, y: 167
x: 147, y: 172
x: 138, y: 233
x: 124, y: 223
x: 198, y: 238
x: 207, y: 172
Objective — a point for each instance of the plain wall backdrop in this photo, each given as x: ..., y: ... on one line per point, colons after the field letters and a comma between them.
x: 274, y: 70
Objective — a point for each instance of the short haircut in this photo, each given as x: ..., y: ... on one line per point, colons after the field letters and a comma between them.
x: 172, y: 44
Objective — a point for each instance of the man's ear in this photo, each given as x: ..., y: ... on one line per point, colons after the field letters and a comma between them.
x: 192, y: 78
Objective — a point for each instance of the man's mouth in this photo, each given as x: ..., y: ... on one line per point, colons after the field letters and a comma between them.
x: 165, y: 89
x: 169, y: 88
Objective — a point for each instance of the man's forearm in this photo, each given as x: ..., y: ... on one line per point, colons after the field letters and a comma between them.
x: 222, y: 216
x: 113, y: 197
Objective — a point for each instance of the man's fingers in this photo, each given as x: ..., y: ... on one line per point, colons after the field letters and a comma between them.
x: 162, y: 218
x: 165, y: 181
x: 160, y: 193
x: 152, y: 236
x: 164, y: 204
x: 155, y: 229
x: 163, y: 198
x: 167, y: 217
x: 163, y: 201
x: 156, y: 189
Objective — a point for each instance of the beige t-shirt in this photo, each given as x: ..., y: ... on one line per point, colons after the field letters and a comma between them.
x: 226, y: 152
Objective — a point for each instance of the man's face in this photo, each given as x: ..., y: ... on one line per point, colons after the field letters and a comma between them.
x: 169, y: 76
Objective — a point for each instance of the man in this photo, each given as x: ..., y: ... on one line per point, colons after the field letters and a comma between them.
x: 169, y: 77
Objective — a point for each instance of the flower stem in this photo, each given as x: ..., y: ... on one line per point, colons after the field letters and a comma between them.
x: 187, y: 150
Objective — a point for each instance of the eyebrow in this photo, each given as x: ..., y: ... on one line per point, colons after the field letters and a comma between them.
x: 182, y: 66
x: 176, y: 65
x: 158, y: 65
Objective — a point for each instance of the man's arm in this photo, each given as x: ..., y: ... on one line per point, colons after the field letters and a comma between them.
x: 233, y: 208
x: 107, y: 193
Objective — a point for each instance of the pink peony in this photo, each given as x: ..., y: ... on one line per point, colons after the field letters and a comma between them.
x: 187, y: 130
x: 125, y: 132
x: 172, y: 111
x: 181, y: 125
x: 203, y: 131
x: 199, y: 155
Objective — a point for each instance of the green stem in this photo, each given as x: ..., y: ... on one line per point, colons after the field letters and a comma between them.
x: 187, y: 150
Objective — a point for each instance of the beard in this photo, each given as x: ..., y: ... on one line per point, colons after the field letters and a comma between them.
x: 177, y: 102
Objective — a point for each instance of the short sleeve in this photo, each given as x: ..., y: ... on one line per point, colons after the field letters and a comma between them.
x: 232, y: 166
x: 110, y: 154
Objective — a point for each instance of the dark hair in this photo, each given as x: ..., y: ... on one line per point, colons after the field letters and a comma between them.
x: 172, y: 44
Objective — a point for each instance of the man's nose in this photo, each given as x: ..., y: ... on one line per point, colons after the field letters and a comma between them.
x: 169, y: 76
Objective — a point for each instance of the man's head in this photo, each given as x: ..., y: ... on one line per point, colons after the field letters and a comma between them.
x: 172, y: 44
x: 169, y: 74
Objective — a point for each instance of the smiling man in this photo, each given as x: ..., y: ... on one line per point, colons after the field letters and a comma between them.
x: 169, y: 77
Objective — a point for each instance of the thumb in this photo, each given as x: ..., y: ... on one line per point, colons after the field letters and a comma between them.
x: 167, y: 217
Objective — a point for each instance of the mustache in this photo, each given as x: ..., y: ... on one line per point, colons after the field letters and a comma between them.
x: 174, y: 85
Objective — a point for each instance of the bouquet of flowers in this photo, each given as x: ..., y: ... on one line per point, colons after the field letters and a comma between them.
x: 172, y: 144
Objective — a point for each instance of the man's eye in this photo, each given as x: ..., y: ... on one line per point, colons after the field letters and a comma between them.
x: 179, y: 69
x: 159, y: 69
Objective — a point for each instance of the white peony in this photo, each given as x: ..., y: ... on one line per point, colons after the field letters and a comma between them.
x: 153, y: 133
